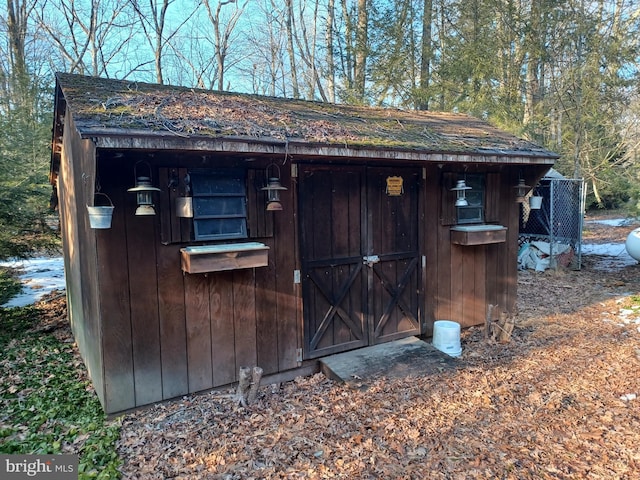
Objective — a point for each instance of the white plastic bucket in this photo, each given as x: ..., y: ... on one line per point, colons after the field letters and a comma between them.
x: 446, y: 337
x: 100, y: 215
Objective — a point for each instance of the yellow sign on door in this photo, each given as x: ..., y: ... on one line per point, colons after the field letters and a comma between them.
x: 395, y: 186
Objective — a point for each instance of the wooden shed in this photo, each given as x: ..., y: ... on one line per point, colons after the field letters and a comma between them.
x: 365, y: 245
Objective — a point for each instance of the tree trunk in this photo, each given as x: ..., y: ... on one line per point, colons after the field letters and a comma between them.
x: 307, y: 51
x: 289, y: 23
x: 159, y: 29
x: 442, y: 21
x: 17, y: 32
x: 248, y: 384
x: 501, y: 329
x: 361, y: 51
x: 244, y: 384
x: 534, y: 51
x: 488, y: 322
x: 426, y: 54
x: 331, y: 68
x: 349, y: 45
x: 256, y: 376
x: 17, y: 20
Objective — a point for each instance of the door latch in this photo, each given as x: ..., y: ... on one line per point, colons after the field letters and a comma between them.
x: 370, y: 260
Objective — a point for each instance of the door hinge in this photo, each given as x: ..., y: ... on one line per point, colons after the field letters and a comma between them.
x: 296, y: 276
x: 298, y: 355
x: 294, y: 170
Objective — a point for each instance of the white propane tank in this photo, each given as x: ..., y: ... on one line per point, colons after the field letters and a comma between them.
x: 633, y: 244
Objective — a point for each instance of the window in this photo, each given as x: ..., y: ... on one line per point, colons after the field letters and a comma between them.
x: 474, y: 212
x: 219, y: 204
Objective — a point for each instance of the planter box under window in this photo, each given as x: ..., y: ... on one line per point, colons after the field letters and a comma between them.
x: 231, y: 256
x: 478, y: 234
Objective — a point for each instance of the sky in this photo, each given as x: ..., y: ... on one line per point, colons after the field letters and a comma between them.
x: 40, y: 276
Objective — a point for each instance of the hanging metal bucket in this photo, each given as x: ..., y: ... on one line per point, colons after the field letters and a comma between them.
x: 535, y: 202
x: 100, y: 215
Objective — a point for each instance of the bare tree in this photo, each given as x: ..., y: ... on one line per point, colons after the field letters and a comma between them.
x: 306, y: 42
x: 83, y: 33
x: 267, y: 42
x: 353, y: 43
x: 223, y: 29
x: 158, y: 33
x: 153, y: 21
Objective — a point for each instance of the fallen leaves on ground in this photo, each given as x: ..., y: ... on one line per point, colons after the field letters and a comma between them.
x: 558, y: 401
x: 47, y: 404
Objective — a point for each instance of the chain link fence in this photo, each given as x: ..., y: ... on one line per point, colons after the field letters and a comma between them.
x: 551, y: 236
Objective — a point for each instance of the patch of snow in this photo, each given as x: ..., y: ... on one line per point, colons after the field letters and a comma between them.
x: 615, y: 255
x: 614, y: 222
x: 608, y: 249
x: 39, y: 277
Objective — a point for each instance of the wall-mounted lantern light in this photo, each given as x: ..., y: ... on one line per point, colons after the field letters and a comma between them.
x: 521, y: 190
x: 273, y: 188
x: 461, y: 193
x: 144, y: 191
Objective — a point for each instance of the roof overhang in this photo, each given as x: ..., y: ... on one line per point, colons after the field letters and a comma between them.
x: 141, y: 140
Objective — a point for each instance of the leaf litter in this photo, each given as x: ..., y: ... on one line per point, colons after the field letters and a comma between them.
x: 558, y: 401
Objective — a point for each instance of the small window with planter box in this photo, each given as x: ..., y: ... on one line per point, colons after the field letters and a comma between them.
x: 215, y: 205
x: 467, y: 222
x: 220, y: 213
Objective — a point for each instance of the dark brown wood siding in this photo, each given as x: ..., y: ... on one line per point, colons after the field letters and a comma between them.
x: 166, y: 333
x: 115, y: 311
x: 75, y: 190
x: 462, y: 280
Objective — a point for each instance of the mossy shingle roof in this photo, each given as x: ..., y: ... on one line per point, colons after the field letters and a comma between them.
x: 107, y: 106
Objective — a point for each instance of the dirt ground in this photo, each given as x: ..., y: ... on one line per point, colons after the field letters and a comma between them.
x: 559, y: 401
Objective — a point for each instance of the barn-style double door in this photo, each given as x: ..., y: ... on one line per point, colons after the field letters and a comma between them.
x: 361, y: 268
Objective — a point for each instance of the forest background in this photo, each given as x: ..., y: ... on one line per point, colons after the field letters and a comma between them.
x: 562, y: 73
